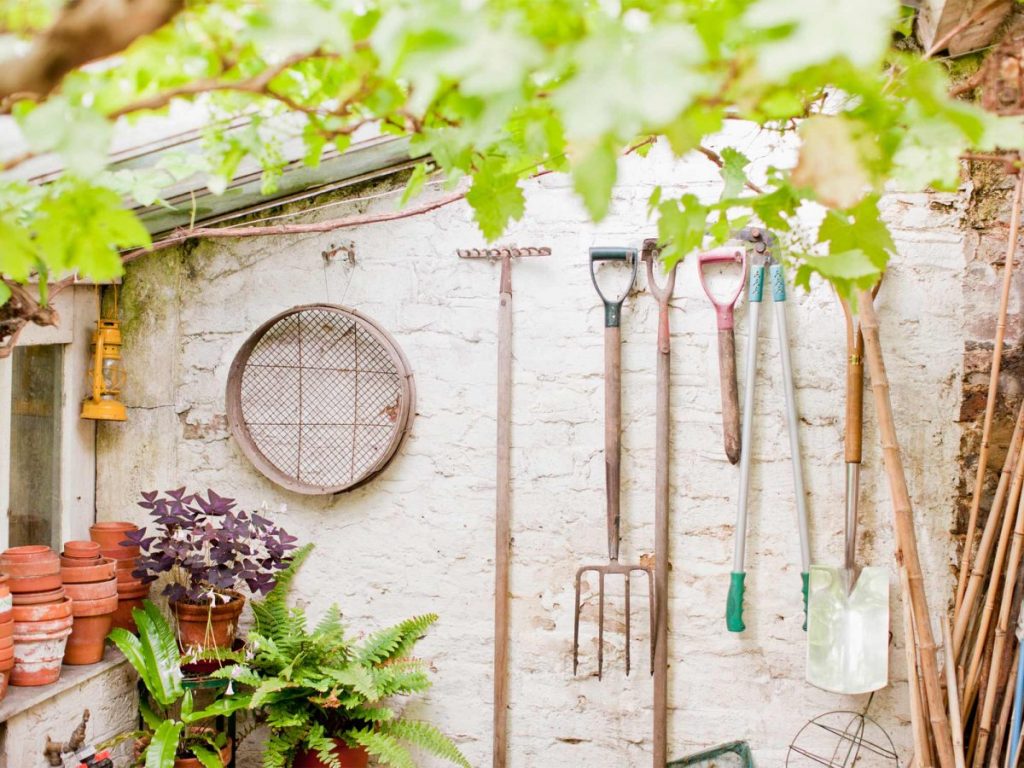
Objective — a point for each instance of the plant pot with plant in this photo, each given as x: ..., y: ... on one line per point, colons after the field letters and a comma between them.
x: 176, y: 735
x: 328, y: 700
x: 210, y: 552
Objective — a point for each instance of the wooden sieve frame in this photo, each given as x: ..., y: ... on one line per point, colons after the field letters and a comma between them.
x: 240, y: 429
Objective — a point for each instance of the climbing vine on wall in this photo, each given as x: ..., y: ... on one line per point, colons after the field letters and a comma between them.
x: 493, y: 92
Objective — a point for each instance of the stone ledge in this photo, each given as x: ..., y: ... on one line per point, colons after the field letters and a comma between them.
x: 20, y: 699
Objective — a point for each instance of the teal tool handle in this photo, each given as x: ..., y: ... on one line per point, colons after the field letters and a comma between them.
x: 734, y: 605
x: 805, y: 577
x: 613, y: 306
x: 778, y: 283
x: 756, y: 289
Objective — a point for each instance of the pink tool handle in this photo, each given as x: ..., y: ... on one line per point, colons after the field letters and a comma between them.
x: 724, y: 309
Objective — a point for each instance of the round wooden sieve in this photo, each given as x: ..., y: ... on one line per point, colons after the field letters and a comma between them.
x: 319, y: 398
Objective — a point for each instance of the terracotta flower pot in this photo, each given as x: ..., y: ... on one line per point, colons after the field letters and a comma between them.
x: 37, y: 598
x: 45, y: 612
x: 120, y: 553
x: 92, y: 590
x: 191, y: 762
x: 6, y: 643
x: 30, y: 569
x: 38, y: 661
x: 7, y: 655
x: 26, y: 554
x: 82, y: 550
x: 100, y: 569
x: 6, y: 665
x: 127, y: 599
x: 208, y: 626
x: 89, y: 632
x: 111, y: 534
x: 349, y: 757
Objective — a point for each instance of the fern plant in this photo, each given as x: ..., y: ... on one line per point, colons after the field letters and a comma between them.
x: 313, y: 686
x: 173, y: 725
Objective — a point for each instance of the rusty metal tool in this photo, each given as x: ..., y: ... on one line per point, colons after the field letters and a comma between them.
x: 502, y: 526
x: 662, y: 294
x: 612, y: 458
x: 725, y: 319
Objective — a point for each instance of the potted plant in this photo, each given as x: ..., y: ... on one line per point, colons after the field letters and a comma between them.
x: 327, y: 699
x: 175, y: 735
x: 211, y: 552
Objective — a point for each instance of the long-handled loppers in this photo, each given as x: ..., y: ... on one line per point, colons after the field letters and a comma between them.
x: 761, y: 242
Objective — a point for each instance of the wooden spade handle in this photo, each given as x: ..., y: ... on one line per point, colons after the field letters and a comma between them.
x: 612, y: 433
x: 855, y: 400
x: 730, y: 393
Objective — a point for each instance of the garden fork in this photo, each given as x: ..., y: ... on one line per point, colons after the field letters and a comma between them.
x: 612, y: 461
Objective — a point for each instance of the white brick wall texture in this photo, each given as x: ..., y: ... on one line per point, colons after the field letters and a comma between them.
x: 420, y: 537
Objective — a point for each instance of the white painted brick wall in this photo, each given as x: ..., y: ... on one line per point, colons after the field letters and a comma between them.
x: 420, y: 537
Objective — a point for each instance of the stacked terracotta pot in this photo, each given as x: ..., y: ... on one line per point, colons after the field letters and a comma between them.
x: 130, y: 590
x: 91, y: 583
x: 41, y: 612
x: 6, y: 637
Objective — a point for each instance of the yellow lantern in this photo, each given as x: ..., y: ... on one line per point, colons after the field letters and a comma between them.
x: 107, y: 374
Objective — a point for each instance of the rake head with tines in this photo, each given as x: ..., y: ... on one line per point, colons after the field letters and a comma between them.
x: 625, y: 257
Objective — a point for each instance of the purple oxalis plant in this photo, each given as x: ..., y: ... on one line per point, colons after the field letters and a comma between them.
x: 208, y: 547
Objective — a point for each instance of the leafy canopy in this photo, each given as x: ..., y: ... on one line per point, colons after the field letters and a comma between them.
x: 496, y: 91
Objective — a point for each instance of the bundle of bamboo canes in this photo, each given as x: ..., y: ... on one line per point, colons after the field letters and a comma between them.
x: 981, y: 649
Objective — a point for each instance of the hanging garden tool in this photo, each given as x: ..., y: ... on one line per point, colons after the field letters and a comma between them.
x: 725, y: 320
x: 848, y: 639
x: 612, y: 458
x: 761, y: 241
x: 503, y: 502
x: 661, y: 294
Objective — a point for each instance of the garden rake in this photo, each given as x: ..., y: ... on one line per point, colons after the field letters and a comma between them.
x: 612, y: 463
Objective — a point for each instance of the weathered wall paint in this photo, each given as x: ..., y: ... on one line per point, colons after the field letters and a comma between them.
x: 420, y: 537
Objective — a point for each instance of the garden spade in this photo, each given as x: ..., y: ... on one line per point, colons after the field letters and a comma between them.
x: 848, y: 608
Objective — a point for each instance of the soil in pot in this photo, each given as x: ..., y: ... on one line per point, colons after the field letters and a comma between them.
x: 349, y: 757
x: 207, y: 626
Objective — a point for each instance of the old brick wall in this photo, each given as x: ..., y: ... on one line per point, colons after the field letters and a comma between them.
x: 420, y: 537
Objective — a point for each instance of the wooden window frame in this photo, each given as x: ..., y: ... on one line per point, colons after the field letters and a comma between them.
x: 77, y: 309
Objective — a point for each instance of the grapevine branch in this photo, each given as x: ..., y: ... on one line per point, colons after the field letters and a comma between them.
x: 84, y: 31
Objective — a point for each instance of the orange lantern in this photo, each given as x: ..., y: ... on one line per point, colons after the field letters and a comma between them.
x: 106, y: 374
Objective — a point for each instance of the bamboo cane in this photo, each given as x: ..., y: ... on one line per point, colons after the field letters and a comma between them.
x: 906, y: 538
x: 922, y: 750
x: 1002, y: 625
x: 981, y: 562
x: 1000, y: 733
x: 990, y: 403
x: 1011, y: 518
x: 956, y: 726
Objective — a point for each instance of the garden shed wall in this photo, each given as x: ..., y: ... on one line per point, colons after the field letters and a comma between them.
x: 420, y: 536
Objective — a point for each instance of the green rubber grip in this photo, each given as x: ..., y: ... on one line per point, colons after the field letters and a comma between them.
x: 778, y: 283
x: 734, y: 605
x: 806, y: 579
